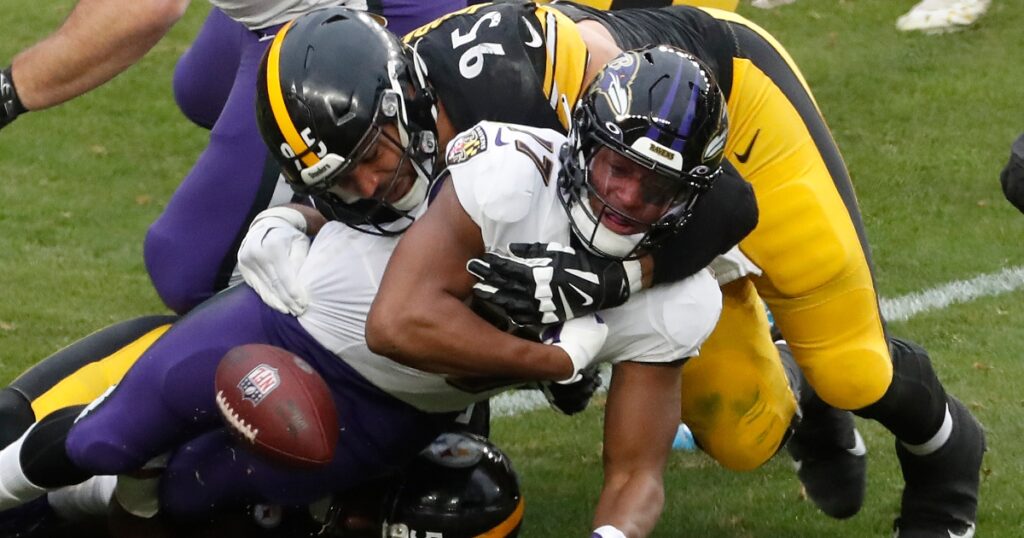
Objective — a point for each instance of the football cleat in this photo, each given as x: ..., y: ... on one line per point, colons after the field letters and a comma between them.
x: 940, y: 16
x: 940, y: 498
x: 830, y: 459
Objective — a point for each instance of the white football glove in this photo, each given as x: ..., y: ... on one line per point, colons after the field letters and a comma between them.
x: 271, y: 255
x: 581, y: 338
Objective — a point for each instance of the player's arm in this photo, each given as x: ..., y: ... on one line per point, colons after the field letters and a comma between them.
x: 420, y: 317
x: 641, y: 418
x: 100, y: 39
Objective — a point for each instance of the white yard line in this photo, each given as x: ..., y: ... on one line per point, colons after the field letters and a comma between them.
x: 959, y: 291
x: 896, y: 309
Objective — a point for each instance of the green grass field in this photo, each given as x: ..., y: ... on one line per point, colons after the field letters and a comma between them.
x: 924, y: 122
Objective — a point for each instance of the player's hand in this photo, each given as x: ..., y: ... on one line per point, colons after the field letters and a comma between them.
x: 571, y: 398
x: 10, y: 105
x: 543, y: 283
x: 581, y: 338
x: 271, y: 255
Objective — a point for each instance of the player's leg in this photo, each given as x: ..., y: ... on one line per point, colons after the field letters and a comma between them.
x: 205, y: 73
x: 378, y: 435
x: 736, y: 398
x: 76, y: 374
x: 818, y: 282
x: 165, y: 398
x: 168, y: 397
x: 190, y: 249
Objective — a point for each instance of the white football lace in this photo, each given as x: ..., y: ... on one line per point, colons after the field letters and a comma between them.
x: 234, y: 420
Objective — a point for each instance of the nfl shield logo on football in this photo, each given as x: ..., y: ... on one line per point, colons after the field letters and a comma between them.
x: 258, y: 383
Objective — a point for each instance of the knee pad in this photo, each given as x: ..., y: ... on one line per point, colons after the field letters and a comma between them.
x: 736, y: 397
x: 914, y: 405
x: 849, y: 379
x: 44, y: 459
x: 734, y: 417
x: 91, y: 447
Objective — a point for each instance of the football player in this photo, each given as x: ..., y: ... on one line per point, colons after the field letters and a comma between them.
x: 213, y: 84
x: 1012, y: 176
x: 387, y: 411
x: 808, y: 258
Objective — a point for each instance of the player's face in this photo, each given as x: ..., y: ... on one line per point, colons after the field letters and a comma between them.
x: 629, y: 197
x: 381, y: 173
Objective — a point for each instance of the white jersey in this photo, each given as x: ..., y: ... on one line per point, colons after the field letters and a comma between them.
x: 496, y: 171
x: 507, y: 182
x: 256, y: 14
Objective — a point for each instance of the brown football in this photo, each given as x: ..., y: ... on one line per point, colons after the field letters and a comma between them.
x: 278, y: 404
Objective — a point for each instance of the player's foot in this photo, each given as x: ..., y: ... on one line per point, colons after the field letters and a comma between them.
x: 32, y: 519
x: 938, y: 16
x: 940, y: 498
x: 831, y: 460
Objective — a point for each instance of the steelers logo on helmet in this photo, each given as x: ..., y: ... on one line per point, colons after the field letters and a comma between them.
x: 660, y: 108
x: 462, y: 486
x: 334, y: 87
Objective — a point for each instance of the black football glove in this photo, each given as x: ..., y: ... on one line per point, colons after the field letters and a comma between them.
x: 544, y: 283
x: 571, y: 398
x: 10, y: 105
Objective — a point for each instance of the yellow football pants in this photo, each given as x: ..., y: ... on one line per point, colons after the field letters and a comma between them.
x: 816, y: 279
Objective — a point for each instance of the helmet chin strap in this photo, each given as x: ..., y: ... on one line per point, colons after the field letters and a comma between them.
x: 597, y: 235
x: 417, y: 193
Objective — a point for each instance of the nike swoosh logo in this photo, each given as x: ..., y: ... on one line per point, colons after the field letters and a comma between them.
x: 535, y: 39
x: 969, y: 533
x: 497, y: 138
x: 743, y: 157
x: 587, y: 299
x: 859, y: 449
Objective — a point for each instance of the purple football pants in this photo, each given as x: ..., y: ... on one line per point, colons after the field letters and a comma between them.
x: 190, y: 250
x: 166, y: 403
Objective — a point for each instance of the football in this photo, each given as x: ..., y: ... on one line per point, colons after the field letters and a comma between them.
x: 277, y: 404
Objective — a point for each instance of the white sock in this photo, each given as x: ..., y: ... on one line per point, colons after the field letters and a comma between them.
x: 15, y: 488
x: 937, y: 440
x: 88, y: 499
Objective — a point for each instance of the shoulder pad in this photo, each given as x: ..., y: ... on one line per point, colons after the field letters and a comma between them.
x: 503, y: 167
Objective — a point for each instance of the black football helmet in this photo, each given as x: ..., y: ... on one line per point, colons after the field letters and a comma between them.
x: 661, y: 108
x: 328, y: 84
x: 462, y: 486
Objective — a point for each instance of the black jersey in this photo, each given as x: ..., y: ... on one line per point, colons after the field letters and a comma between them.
x: 688, y: 28
x: 515, y: 62
x: 520, y: 62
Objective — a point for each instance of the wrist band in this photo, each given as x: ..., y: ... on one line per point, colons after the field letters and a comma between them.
x: 607, y: 531
x: 10, y: 104
x: 292, y: 216
x: 634, y: 274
